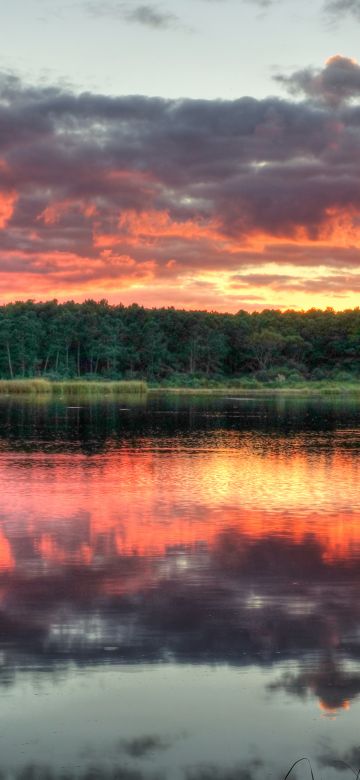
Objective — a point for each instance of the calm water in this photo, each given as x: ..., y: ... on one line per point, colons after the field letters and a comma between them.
x: 180, y: 588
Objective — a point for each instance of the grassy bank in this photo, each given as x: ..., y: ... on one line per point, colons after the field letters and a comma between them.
x: 323, y: 387
x: 71, y: 387
x: 90, y: 388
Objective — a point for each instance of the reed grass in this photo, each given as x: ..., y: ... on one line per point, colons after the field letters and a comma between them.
x: 96, y: 387
x: 24, y: 386
x: 71, y: 387
x: 88, y: 387
x: 304, y: 388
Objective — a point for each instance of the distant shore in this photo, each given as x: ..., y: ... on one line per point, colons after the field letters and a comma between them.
x: 108, y: 388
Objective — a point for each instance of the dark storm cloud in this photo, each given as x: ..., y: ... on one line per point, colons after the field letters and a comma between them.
x: 146, y: 14
x: 338, y: 81
x: 340, y: 8
x: 79, y: 172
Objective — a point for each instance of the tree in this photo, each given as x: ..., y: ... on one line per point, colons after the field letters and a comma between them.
x: 264, y: 345
x: 97, y: 339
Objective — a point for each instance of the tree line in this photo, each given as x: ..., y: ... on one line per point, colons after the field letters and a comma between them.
x: 98, y: 340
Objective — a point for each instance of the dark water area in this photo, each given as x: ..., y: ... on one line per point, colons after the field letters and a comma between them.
x: 179, y: 588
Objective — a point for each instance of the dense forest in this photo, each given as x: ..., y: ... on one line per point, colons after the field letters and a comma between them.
x: 97, y: 340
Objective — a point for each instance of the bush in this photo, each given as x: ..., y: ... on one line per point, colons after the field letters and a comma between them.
x: 343, y: 376
x: 318, y: 374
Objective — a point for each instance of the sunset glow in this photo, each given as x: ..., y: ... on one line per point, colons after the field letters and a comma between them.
x: 260, y: 210
x: 107, y: 509
x: 179, y: 389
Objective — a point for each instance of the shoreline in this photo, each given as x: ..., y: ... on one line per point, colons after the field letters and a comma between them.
x: 308, y: 390
x: 109, y: 388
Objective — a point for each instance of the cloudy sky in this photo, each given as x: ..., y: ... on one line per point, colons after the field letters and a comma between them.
x: 196, y: 153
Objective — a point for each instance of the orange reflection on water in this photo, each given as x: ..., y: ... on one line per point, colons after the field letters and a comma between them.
x: 332, y: 712
x: 6, y: 557
x: 147, y: 501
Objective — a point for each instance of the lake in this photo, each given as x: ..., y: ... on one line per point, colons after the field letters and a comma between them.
x: 180, y: 588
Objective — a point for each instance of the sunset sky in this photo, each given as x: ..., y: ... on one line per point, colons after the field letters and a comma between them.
x: 192, y: 153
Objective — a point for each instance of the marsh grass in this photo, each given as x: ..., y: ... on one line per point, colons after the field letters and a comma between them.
x: 324, y: 387
x: 91, y: 388
x: 24, y: 386
x: 71, y: 387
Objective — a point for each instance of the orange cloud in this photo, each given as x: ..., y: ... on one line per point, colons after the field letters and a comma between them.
x: 53, y: 213
x: 164, y: 202
x: 7, y: 205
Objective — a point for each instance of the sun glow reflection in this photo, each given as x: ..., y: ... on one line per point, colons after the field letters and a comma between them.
x: 151, y: 501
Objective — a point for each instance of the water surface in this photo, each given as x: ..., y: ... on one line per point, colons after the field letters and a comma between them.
x: 179, y: 582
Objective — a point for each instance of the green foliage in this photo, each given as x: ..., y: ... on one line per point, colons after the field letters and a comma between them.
x: 94, y: 342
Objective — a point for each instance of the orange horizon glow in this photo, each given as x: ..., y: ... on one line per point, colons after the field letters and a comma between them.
x: 143, y: 259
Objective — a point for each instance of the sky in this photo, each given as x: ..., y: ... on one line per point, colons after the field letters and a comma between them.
x: 202, y: 154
